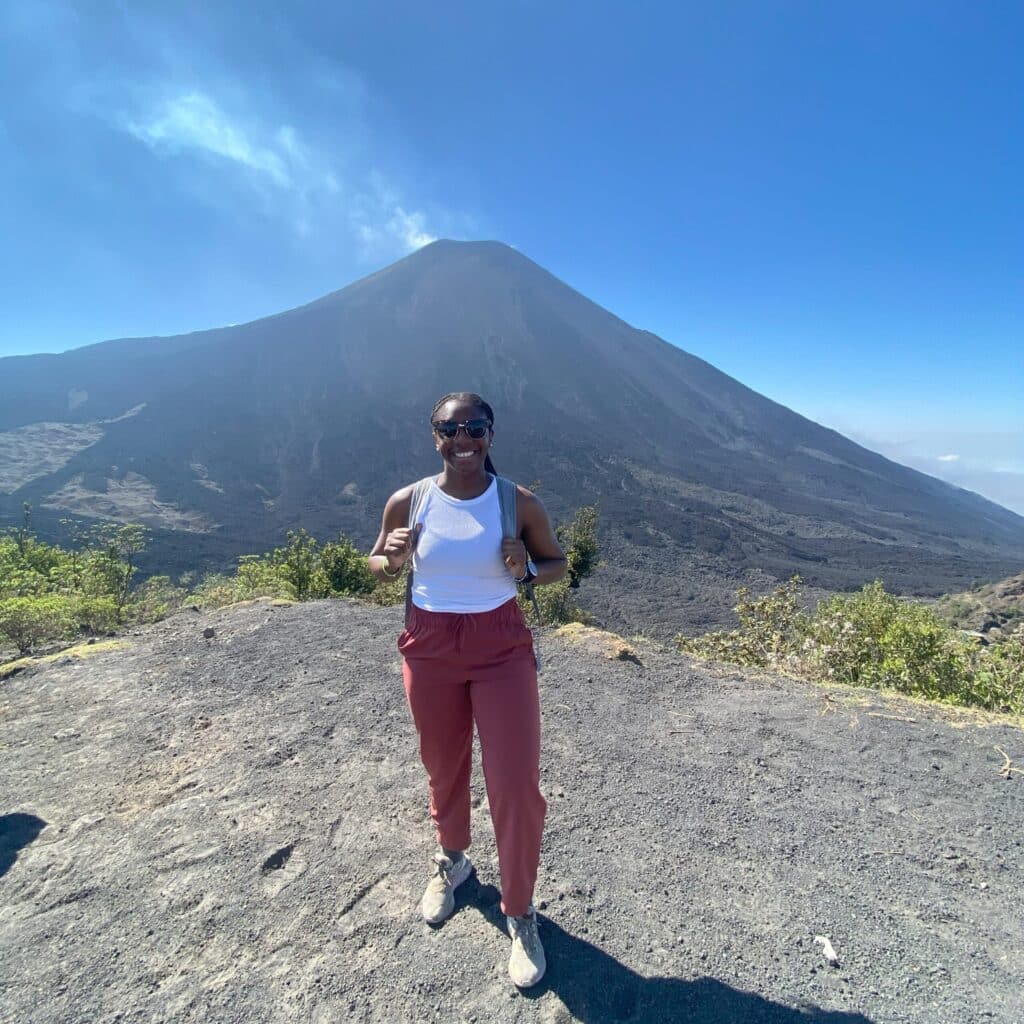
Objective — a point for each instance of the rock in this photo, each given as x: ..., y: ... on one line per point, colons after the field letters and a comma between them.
x: 827, y: 950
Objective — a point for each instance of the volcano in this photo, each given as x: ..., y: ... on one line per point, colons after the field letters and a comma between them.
x: 221, y: 440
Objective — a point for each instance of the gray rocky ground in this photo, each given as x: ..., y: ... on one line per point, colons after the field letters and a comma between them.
x: 234, y: 828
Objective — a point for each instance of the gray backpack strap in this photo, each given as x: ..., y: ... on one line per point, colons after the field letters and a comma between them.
x: 507, y: 495
x: 419, y: 496
x: 507, y: 504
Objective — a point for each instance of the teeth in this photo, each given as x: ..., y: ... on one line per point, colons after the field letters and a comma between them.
x: 464, y: 455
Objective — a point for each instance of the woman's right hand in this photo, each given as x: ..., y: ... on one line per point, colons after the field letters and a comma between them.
x: 399, y: 546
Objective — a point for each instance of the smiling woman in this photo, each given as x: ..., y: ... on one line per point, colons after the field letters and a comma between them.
x: 468, y: 658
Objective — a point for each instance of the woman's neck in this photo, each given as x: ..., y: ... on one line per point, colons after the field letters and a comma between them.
x: 464, y: 487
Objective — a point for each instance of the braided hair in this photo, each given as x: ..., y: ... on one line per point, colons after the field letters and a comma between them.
x: 469, y: 398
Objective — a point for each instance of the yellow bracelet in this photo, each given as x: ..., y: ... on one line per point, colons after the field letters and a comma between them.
x: 384, y: 568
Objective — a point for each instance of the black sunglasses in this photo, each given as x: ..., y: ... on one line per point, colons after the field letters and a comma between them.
x: 474, y: 428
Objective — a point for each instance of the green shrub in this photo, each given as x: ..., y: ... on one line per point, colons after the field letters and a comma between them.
x: 259, y: 576
x: 582, y: 552
x: 297, y: 564
x: 22, y: 581
x: 26, y: 566
x: 997, y: 676
x: 215, y: 591
x: 302, y: 570
x: 580, y: 543
x: 390, y: 593
x: 771, y: 629
x: 556, y: 605
x: 28, y: 622
x: 109, y: 563
x: 95, y: 615
x: 154, y: 599
x: 346, y: 571
x: 872, y: 639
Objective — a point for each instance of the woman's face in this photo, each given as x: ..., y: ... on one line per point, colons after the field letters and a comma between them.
x: 462, y: 453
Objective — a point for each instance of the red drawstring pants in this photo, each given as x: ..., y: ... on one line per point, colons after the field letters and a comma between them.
x: 460, y: 668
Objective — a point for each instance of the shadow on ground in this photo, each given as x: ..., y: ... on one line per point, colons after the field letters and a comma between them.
x: 16, y: 831
x: 597, y: 989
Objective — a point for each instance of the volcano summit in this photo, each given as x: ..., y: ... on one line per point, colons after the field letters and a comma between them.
x: 221, y: 440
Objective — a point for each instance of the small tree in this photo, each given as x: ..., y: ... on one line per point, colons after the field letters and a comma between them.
x: 556, y: 604
x: 872, y: 638
x: 94, y: 615
x: 79, y: 535
x: 580, y: 543
x: 115, y: 548
x: 297, y: 562
x: 582, y: 553
x: 17, y: 578
x: 154, y: 599
x: 258, y: 576
x: 345, y: 569
x: 30, y: 621
x: 24, y: 533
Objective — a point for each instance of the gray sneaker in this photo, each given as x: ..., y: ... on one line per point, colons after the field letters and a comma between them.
x: 439, y: 899
x: 527, y: 963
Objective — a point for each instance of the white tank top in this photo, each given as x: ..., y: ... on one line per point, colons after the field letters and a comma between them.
x: 457, y: 565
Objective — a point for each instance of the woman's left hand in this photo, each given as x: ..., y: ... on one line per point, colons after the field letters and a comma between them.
x: 513, y: 552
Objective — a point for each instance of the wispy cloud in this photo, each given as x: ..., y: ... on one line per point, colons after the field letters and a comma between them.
x: 949, y: 458
x: 192, y: 121
x: 408, y: 227
x: 310, y: 188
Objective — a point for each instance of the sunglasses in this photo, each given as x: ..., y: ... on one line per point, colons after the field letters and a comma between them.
x: 474, y: 428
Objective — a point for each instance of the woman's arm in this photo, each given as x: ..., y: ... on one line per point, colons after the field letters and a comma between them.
x: 395, y: 542
x: 536, y: 540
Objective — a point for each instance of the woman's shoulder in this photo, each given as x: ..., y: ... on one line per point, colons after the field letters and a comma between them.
x: 527, y: 502
x: 399, y: 502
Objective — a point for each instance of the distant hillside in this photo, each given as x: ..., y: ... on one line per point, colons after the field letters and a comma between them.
x: 990, y: 608
x: 222, y: 440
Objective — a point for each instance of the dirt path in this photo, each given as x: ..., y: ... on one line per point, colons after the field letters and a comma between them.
x: 235, y: 829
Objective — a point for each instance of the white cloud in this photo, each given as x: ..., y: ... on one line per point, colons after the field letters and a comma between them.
x: 408, y: 229
x: 949, y: 458
x: 381, y: 222
x: 276, y: 157
x: 257, y: 125
x: 194, y: 121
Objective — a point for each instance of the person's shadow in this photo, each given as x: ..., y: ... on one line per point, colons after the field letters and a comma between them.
x: 16, y: 831
x: 597, y: 989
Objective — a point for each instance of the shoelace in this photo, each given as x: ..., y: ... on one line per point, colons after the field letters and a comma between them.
x: 444, y: 871
x: 525, y: 929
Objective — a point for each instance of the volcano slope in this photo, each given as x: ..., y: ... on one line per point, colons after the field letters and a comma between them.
x: 234, y: 828
x: 221, y: 441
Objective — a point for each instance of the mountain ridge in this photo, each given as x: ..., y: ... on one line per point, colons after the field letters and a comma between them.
x: 312, y: 416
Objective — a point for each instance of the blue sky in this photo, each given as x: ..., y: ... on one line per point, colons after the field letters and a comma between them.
x: 821, y: 199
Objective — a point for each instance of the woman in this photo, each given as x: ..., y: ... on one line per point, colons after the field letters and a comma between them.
x: 468, y: 657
